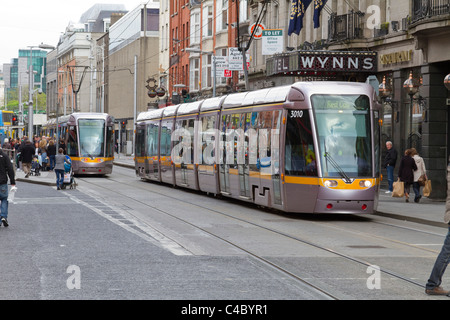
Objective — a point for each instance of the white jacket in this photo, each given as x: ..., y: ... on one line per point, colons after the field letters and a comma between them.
x: 420, y: 167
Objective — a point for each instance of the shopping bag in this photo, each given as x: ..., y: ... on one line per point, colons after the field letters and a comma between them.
x: 427, y: 188
x: 422, y: 180
x: 67, y: 177
x: 399, y: 189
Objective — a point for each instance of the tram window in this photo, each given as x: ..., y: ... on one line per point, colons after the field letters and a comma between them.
x: 72, y: 145
x: 377, y: 142
x: 92, y: 135
x: 344, y: 134
x: 109, y: 142
x: 140, y: 140
x: 300, y: 155
x: 166, y: 132
x: 207, y: 134
x: 152, y: 140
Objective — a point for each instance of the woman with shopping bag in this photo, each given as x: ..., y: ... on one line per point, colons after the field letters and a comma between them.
x: 420, y: 175
x: 406, y: 172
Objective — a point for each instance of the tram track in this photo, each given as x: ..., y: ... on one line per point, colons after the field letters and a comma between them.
x: 270, y: 229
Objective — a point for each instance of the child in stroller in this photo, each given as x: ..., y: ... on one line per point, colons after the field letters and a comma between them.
x: 69, y: 180
x: 35, y: 166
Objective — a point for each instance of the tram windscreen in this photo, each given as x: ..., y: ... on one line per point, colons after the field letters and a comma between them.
x: 344, y: 135
x: 92, y: 137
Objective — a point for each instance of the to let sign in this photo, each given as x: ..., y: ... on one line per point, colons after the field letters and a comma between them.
x: 272, y: 41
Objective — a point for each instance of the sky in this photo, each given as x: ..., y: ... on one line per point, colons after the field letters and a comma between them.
x: 26, y: 23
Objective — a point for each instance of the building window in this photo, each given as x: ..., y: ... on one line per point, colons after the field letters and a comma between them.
x: 194, y: 74
x: 224, y: 14
x: 195, y: 27
x: 207, y: 21
x: 243, y: 7
x: 206, y: 71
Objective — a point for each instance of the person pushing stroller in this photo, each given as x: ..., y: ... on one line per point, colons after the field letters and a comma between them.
x: 60, y: 160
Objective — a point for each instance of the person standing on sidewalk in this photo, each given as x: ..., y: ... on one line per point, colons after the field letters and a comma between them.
x: 433, y: 286
x: 6, y: 170
x: 389, y: 163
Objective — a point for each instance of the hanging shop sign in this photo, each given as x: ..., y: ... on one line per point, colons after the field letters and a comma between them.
x: 322, y: 63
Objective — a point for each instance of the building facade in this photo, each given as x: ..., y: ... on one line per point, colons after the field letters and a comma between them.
x: 132, y: 62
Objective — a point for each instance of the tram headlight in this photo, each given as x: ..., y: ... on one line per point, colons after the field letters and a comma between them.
x: 330, y: 183
x: 365, y: 183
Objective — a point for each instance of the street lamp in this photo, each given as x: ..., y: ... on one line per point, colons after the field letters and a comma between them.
x: 31, y: 87
x: 214, y: 64
x: 447, y: 81
x: 411, y: 87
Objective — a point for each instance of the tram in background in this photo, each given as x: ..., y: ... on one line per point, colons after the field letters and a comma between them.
x: 8, y: 125
x: 306, y: 148
x: 89, y: 140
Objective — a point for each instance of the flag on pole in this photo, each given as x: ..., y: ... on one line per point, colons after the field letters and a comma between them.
x: 298, y: 9
x: 318, y: 6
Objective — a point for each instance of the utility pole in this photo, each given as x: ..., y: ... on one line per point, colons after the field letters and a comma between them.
x: 30, y: 97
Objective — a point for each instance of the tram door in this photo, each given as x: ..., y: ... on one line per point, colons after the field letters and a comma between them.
x: 224, y: 172
x: 243, y: 155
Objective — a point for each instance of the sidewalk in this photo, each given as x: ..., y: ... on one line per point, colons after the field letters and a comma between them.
x: 428, y: 211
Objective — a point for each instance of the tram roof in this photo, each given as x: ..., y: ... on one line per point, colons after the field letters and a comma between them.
x: 151, y: 114
x: 188, y: 108
x: 170, y: 110
x: 263, y: 96
x: 335, y: 87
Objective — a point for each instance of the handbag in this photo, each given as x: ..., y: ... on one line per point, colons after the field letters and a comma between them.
x: 427, y: 188
x: 398, y: 189
x: 422, y: 179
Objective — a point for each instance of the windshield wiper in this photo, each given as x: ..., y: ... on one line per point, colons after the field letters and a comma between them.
x: 341, y: 172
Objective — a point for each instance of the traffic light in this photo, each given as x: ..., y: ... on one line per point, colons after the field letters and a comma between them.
x: 15, y: 120
x: 123, y: 125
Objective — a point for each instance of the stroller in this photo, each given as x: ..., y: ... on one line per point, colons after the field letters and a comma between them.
x: 69, y: 179
x: 35, y: 166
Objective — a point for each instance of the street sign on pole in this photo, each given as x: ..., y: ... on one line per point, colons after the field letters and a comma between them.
x: 236, y: 60
x: 221, y: 65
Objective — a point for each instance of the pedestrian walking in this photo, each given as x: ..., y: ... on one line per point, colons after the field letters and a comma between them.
x: 27, y: 150
x: 421, y: 171
x: 7, y: 147
x: 6, y: 170
x: 389, y: 163
x: 60, y: 159
x: 433, y: 286
x: 51, y: 153
x: 406, y: 172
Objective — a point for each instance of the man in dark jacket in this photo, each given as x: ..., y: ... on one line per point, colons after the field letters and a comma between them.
x: 389, y: 164
x: 27, y: 151
x: 6, y: 170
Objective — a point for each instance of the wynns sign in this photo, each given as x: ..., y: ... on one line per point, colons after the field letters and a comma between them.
x: 321, y: 62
